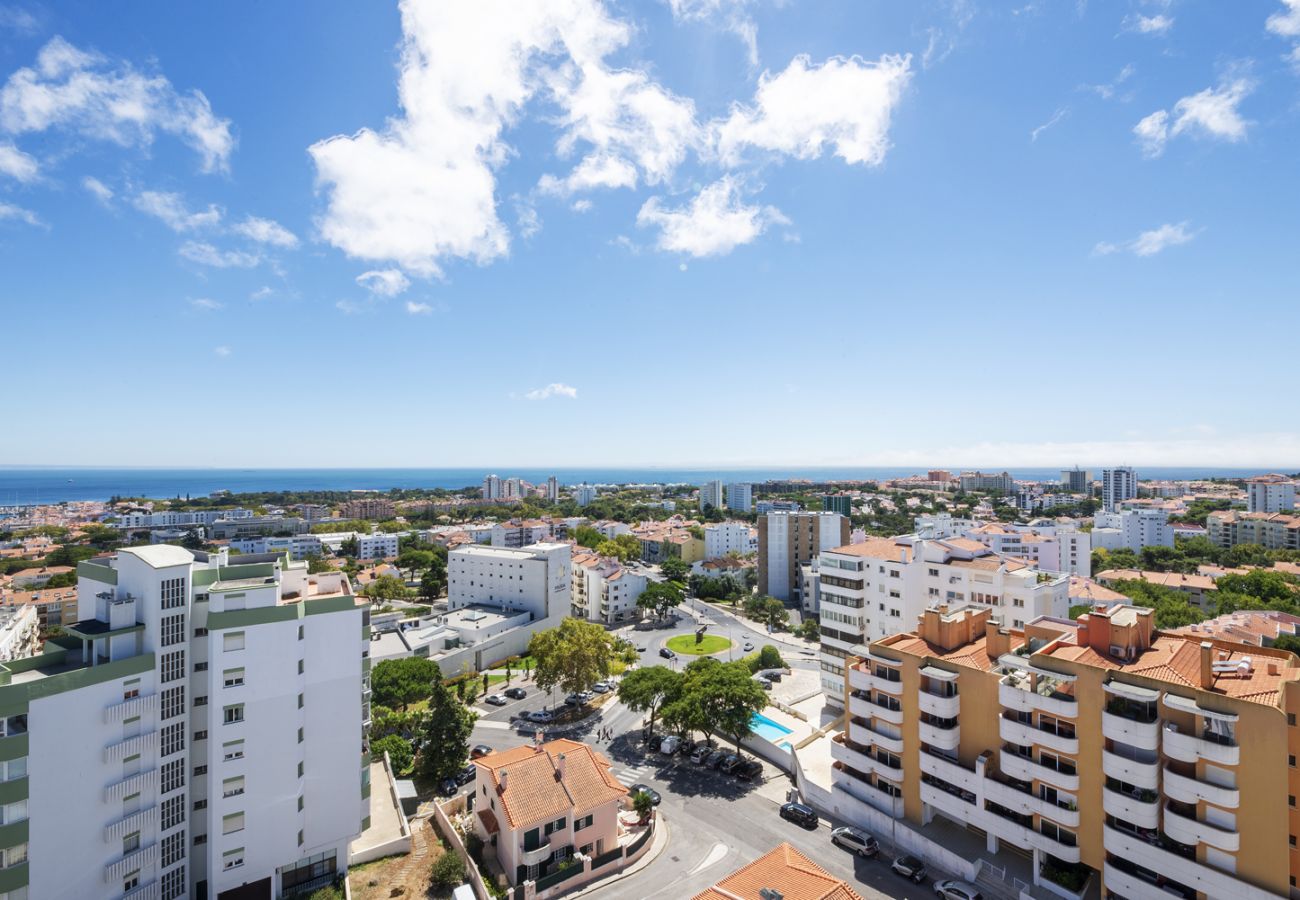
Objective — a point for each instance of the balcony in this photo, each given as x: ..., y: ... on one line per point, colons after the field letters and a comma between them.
x: 1024, y: 801
x: 866, y: 736
x: 131, y: 746
x: 136, y: 706
x: 866, y: 792
x: 866, y: 707
x: 863, y: 762
x: 1026, y: 735
x: 1139, y: 806
x: 1139, y: 768
x: 1145, y: 735
x: 128, y: 786
x: 1210, y: 747
x: 1023, y: 768
x: 1187, y: 829
x: 887, y: 685
x: 1133, y: 887
x: 1015, y: 693
x: 949, y: 770
x: 954, y: 806
x: 1192, y: 790
x: 936, y: 705
x: 1197, y: 876
x: 150, y: 891
x: 131, y: 862
x: 137, y: 821
x: 538, y: 855
x: 940, y: 737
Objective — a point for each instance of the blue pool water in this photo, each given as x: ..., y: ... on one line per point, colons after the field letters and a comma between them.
x: 768, y: 730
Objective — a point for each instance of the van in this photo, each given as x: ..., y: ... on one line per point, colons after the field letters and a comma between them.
x: 670, y: 745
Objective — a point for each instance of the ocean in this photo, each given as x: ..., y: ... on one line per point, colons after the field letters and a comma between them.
x: 26, y: 485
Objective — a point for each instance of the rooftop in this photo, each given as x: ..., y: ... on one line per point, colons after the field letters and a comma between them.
x: 786, y: 870
x: 160, y: 556
x: 1176, y: 580
x: 531, y: 789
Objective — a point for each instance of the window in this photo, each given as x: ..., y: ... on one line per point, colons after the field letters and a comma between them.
x: 300, y: 667
x: 233, y: 787
x: 14, y: 768
x: 173, y: 738
x: 233, y: 677
x: 173, y: 776
x: 232, y: 823
x: 584, y: 822
x: 13, y: 812
x: 173, y: 812
x: 233, y: 750
x: 200, y: 771
x: 173, y: 593
x: 300, y: 632
x: 13, y: 856
x: 300, y: 803
x: 201, y: 735
x: 200, y: 632
x: 173, y: 702
x: 200, y: 804
x: 131, y: 689
x: 173, y: 666
x: 173, y: 629
x: 299, y: 770
x: 300, y: 701
x: 232, y: 860
x: 300, y: 735
x: 174, y: 884
x: 299, y: 837
x: 131, y: 882
x: 233, y: 714
x: 232, y: 640
x: 200, y: 667
x: 131, y: 843
x: 173, y: 848
x: 13, y: 725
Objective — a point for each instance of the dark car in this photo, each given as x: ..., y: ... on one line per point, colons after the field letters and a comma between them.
x: 855, y: 840
x: 800, y: 814
x: 646, y: 789
x: 515, y: 693
x: 750, y: 770
x: 715, y: 758
x: 728, y: 765
x: 448, y: 787
x: 466, y: 775
x: 666, y: 653
x: 479, y: 750
x: 909, y: 867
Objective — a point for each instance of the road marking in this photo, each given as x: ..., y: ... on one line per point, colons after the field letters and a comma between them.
x: 714, y: 856
x: 489, y: 723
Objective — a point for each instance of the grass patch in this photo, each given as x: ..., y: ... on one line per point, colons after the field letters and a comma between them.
x: 708, y: 644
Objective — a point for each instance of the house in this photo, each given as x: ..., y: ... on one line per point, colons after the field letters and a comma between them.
x: 539, y: 804
x: 785, y: 873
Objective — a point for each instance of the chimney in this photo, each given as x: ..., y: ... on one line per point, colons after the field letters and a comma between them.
x: 502, y: 776
x: 1083, y: 631
x: 1207, y: 665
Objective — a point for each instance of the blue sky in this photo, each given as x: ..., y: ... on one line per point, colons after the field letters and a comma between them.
x: 671, y: 232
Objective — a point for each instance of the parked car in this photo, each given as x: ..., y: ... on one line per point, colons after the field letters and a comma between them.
x: 772, y: 675
x: 855, y: 840
x: 909, y: 867
x: 642, y: 648
x: 715, y: 758
x: 478, y: 751
x: 750, y: 770
x: 670, y: 744
x: 572, y: 700
x: 496, y: 699
x: 701, y: 752
x: 800, y: 814
x: 957, y: 890
x: 466, y: 775
x: 448, y: 787
x: 515, y: 693
x: 602, y: 687
x: 666, y: 653
x: 728, y: 765
x: 646, y: 789
x: 541, y: 715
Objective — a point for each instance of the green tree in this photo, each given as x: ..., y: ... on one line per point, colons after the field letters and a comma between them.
x: 448, y: 871
x: 658, y: 598
x: 586, y: 536
x: 646, y: 690
x: 810, y: 630
x: 446, y: 732
x: 350, y: 547
x: 1289, y: 642
x: 735, y: 698
x: 629, y: 547
x: 433, y: 584
x: 768, y: 657
x: 572, y: 657
x: 414, y: 560
x: 774, y: 613
x: 386, y: 587
x: 398, y: 749
x: 318, y: 566
x: 674, y: 569
x: 397, y: 683
x: 643, y: 805
x: 1172, y: 608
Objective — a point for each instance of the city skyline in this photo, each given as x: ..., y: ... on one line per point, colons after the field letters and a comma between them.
x: 314, y: 215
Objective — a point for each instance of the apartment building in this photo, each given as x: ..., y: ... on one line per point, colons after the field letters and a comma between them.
x: 838, y: 503
x: 711, y: 495
x: 1152, y: 764
x: 54, y: 606
x: 604, y: 590
x: 1273, y: 531
x: 1117, y: 485
x: 740, y: 497
x: 788, y: 541
x: 199, y: 730
x: 552, y: 489
x: 537, y: 579
x: 874, y: 589
x: 1053, y: 549
x: 1076, y: 480
x: 672, y: 538
x: 179, y: 519
x: 251, y: 526
x: 943, y: 525
x: 300, y: 546
x: 20, y: 631
x: 521, y: 533
x: 491, y: 487
x: 722, y: 538
x: 584, y: 494
x: 1270, y: 494
x: 763, y: 507
x: 368, y: 508
x: 1132, y: 529
x: 1201, y: 590
x: 999, y: 483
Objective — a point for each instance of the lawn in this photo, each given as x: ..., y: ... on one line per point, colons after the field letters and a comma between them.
x: 709, y: 644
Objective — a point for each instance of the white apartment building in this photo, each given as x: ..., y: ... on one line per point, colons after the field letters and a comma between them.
x: 789, y: 540
x: 1054, y: 549
x: 604, y: 590
x: 583, y: 494
x: 552, y: 489
x: 871, y: 590
x: 369, y: 546
x: 174, y: 519
x: 1270, y: 494
x: 763, y: 507
x: 722, y: 538
x: 1132, y: 529
x: 611, y: 529
x: 1117, y: 485
x: 20, y: 631
x: 1076, y: 480
x: 1001, y: 483
x: 711, y: 494
x: 537, y: 579
x: 943, y: 525
x: 492, y: 487
x: 199, y: 731
x: 300, y: 546
x: 740, y: 497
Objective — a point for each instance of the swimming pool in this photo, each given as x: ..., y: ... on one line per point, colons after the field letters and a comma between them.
x: 768, y: 730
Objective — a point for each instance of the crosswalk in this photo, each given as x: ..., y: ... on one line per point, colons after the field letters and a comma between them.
x: 630, y: 775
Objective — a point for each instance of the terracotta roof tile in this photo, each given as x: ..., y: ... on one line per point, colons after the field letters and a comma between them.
x: 534, y: 791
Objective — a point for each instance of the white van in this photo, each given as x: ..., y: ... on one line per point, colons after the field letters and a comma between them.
x: 670, y: 745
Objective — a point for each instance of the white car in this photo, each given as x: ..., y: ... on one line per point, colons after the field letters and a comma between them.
x: 670, y: 745
x: 495, y: 700
x: 957, y: 890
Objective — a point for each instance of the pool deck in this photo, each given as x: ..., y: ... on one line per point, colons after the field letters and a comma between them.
x: 798, y: 729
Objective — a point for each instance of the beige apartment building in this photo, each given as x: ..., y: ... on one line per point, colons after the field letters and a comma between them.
x: 1274, y: 531
x: 788, y: 540
x: 1158, y: 764
x: 368, y: 508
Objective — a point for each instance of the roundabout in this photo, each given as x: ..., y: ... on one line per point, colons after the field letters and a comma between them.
x: 707, y: 645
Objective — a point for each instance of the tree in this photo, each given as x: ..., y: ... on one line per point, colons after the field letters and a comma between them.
x: 1289, y: 642
x: 446, y: 732
x: 810, y: 630
x: 693, y: 708
x: 658, y: 598
x: 448, y: 871
x: 317, y: 566
x: 646, y: 690
x: 735, y: 698
x: 386, y: 587
x: 644, y: 806
x: 398, y: 749
x: 414, y: 559
x: 1172, y: 607
x: 350, y: 547
x: 433, y: 584
x: 572, y: 657
x: 674, y: 569
x: 774, y: 613
x: 586, y: 536
x: 396, y: 683
x: 768, y: 657
x: 629, y: 547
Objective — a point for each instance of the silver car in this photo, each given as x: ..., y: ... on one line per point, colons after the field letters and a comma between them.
x: 855, y: 840
x: 957, y: 890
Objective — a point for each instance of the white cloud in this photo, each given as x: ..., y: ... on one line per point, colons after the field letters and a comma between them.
x: 581, y: 206
x: 266, y: 231
x: 1211, y: 113
x: 1149, y: 243
x: 262, y: 293
x: 1056, y: 117
x: 844, y: 104
x: 715, y: 222
x: 85, y: 93
x: 1140, y: 24
x: 527, y: 219
x: 595, y: 171
x: 1286, y: 23
x: 170, y: 208
x: 17, y: 164
x: 204, y: 304
x: 941, y: 40
x: 222, y: 351
x: 350, y: 308
x: 731, y: 14
x: 555, y: 389
x: 418, y: 309
x: 18, y: 20
x: 384, y: 282
x: 208, y: 255
x: 1106, y: 91
x: 97, y: 189
x: 16, y: 213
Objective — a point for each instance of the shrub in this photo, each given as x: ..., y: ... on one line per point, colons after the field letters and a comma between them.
x: 448, y: 871
x: 398, y: 749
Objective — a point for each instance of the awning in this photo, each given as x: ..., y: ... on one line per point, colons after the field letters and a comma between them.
x: 1132, y: 691
x: 1186, y: 704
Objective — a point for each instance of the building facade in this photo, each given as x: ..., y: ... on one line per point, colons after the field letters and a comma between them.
x: 711, y: 495
x: 740, y: 497
x: 1270, y: 494
x: 838, y: 503
x: 998, y: 483
x: 1117, y: 485
x: 789, y: 540
x: 1132, y: 529
x: 369, y: 508
x: 537, y: 579
x: 584, y: 494
x: 723, y: 538
x: 604, y: 590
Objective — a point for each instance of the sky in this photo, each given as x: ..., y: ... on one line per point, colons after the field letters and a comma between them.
x: 662, y: 232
